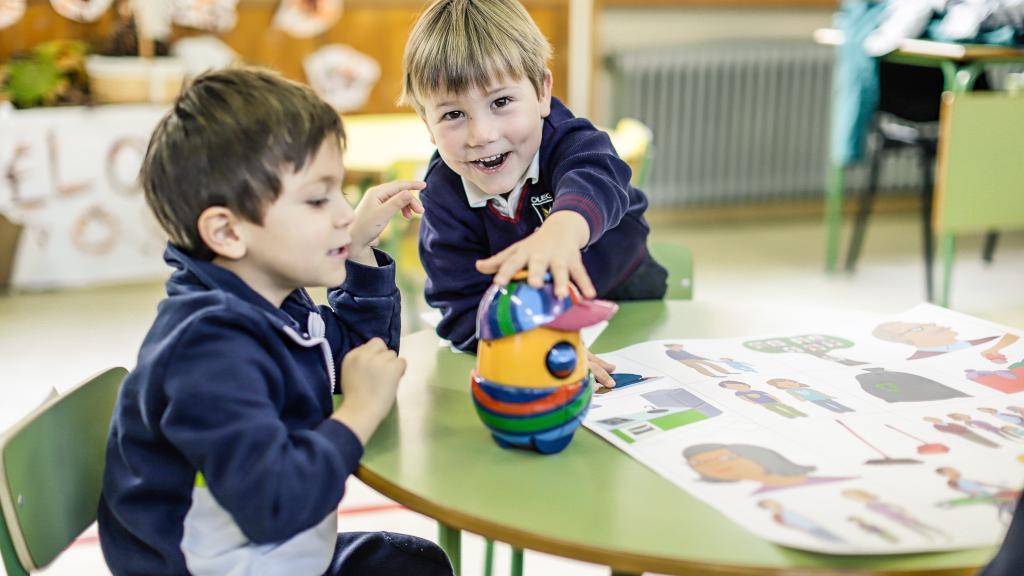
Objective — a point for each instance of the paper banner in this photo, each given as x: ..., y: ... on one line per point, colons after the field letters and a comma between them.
x: 307, y: 18
x: 342, y: 76
x: 81, y: 10
x: 11, y: 11
x: 212, y: 15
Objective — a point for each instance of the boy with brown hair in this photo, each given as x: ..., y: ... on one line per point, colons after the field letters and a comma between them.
x: 225, y: 453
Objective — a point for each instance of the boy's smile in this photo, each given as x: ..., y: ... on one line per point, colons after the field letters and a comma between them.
x: 489, y: 136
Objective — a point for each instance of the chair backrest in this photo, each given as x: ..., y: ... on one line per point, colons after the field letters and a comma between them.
x: 979, y: 172
x: 632, y: 140
x: 51, y: 472
x: 679, y: 262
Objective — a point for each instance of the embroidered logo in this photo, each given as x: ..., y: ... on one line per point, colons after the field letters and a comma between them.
x: 542, y: 205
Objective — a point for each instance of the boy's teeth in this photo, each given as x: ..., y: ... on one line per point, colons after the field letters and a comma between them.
x: 491, y: 161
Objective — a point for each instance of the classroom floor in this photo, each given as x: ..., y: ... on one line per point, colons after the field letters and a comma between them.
x: 54, y: 339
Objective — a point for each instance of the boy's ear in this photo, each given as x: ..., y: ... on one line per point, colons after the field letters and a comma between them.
x: 545, y: 94
x: 220, y: 231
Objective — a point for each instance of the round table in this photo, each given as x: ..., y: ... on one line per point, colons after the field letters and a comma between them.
x: 592, y: 502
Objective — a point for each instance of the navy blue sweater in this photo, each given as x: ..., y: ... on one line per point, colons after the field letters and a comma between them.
x: 235, y: 388
x: 579, y: 171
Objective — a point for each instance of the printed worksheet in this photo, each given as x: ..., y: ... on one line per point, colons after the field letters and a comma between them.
x: 894, y: 436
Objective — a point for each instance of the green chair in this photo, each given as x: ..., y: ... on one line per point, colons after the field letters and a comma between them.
x: 51, y: 472
x: 980, y: 176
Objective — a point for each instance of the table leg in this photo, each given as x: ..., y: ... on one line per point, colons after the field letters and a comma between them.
x: 517, y: 562
x: 833, y: 215
x: 947, y: 245
x: 489, y: 557
x: 450, y: 540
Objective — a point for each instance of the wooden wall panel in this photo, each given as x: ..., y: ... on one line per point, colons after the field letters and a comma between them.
x: 378, y: 29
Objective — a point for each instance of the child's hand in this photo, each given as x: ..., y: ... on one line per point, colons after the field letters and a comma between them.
x: 555, y: 246
x: 602, y: 370
x: 369, y: 380
x: 375, y: 210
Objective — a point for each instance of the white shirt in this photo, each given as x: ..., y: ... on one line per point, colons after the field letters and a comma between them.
x: 477, y: 198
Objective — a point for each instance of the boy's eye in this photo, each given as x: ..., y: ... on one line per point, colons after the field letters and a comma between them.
x: 317, y: 202
x: 502, y: 102
x: 453, y: 115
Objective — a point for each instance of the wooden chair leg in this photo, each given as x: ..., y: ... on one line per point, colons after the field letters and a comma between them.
x: 990, y: 245
x: 867, y: 199
x: 927, y: 197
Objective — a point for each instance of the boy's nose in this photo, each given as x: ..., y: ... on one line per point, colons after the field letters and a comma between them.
x: 482, y: 131
x: 343, y: 215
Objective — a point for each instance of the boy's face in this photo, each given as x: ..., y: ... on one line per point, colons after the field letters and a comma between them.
x: 489, y: 136
x: 304, y: 238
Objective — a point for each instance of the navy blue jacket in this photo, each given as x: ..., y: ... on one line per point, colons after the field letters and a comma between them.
x: 235, y: 388
x: 579, y: 171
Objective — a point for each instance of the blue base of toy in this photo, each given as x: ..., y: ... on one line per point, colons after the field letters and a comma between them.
x: 548, y: 442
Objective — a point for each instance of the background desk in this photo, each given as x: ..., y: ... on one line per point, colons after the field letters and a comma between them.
x: 961, y: 64
x: 591, y: 502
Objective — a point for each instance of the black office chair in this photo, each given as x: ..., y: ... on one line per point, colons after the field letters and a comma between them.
x: 908, y: 115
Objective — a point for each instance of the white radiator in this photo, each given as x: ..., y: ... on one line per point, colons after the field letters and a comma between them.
x: 739, y: 123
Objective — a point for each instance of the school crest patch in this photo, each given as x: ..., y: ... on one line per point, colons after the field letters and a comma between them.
x: 542, y: 205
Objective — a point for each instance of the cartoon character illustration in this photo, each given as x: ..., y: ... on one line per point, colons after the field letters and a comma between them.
x: 765, y: 400
x: 805, y: 393
x: 966, y: 420
x: 930, y: 340
x: 531, y: 386
x: 668, y: 409
x: 1003, y: 498
x: 894, y: 513
x: 1007, y: 380
x: 873, y: 529
x: 701, y: 364
x: 737, y: 365
x: 791, y: 519
x: 904, y: 387
x: 959, y: 431
x: 817, y: 345
x: 735, y: 462
x: 1013, y: 419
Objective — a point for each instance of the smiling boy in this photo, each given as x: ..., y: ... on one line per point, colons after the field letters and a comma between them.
x: 225, y: 453
x: 517, y: 181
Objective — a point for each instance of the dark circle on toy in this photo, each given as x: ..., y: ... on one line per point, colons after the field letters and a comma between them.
x: 561, y: 360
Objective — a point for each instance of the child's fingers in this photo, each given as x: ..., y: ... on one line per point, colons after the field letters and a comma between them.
x: 491, y: 264
x: 604, y: 364
x: 537, y: 267
x: 560, y: 278
x: 515, y: 262
x: 385, y: 191
x: 602, y: 376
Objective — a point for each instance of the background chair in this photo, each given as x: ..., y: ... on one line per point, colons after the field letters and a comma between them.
x: 979, y: 176
x: 908, y: 115
x: 51, y: 472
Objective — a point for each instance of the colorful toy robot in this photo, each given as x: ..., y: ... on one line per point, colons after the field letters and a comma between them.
x: 531, y: 386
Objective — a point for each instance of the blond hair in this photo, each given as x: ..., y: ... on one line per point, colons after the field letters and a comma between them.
x: 462, y: 44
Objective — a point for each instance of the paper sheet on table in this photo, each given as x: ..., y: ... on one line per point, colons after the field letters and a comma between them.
x: 836, y: 441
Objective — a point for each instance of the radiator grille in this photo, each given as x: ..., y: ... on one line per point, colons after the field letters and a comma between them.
x: 739, y: 123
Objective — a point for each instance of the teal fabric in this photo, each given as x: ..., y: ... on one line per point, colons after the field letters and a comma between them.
x: 855, y: 85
